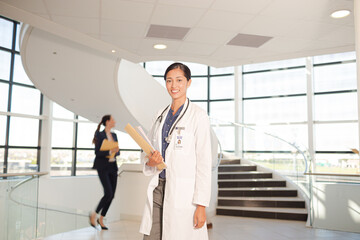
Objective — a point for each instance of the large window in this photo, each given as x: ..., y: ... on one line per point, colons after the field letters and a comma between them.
x: 85, y: 149
x: 275, y: 102
x: 20, y: 104
x: 335, y: 113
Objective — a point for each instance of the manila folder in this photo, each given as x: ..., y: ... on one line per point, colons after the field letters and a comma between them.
x: 108, y: 145
x: 145, y: 146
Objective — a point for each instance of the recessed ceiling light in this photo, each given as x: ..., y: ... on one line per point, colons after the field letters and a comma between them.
x: 160, y: 46
x: 113, y: 51
x: 340, y: 13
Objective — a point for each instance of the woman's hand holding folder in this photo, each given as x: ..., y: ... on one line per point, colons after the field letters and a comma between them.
x: 140, y: 138
x: 155, y: 159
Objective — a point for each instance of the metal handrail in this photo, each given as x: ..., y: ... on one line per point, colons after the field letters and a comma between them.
x: 220, y: 156
x: 307, y: 159
x: 23, y: 174
x: 332, y: 174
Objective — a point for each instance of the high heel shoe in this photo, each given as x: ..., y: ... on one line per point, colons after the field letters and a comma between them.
x: 102, y: 227
x: 90, y: 218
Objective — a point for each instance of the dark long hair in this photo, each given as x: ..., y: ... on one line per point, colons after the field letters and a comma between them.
x: 183, y: 67
x: 103, y: 122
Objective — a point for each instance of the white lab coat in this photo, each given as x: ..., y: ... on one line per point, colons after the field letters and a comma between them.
x: 188, y: 175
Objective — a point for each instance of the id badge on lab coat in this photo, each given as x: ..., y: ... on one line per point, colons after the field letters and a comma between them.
x: 179, y: 140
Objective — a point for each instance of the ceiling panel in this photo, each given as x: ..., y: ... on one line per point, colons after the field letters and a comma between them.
x: 241, y: 6
x: 85, y: 25
x: 126, y: 10
x: 71, y: 8
x: 131, y: 44
x: 226, y: 21
x: 344, y: 35
x: 167, y: 32
x: 197, y: 49
x: 260, y: 26
x: 291, y: 9
x: 176, y: 16
x: 34, y: 6
x: 188, y: 3
x: 123, y: 28
x: 309, y: 30
x: 248, y: 40
x: 324, y: 46
x: 198, y: 35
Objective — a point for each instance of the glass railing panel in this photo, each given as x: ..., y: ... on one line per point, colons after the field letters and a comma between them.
x: 18, y: 197
x: 58, y: 219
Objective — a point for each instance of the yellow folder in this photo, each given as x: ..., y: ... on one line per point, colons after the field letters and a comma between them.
x: 145, y: 146
x: 108, y: 145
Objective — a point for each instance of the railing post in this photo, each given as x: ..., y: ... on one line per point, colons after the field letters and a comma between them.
x: 357, y: 47
x: 45, y: 153
x: 238, y: 111
x: 310, y: 111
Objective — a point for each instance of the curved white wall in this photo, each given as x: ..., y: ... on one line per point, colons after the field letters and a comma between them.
x: 88, y: 82
x: 142, y: 95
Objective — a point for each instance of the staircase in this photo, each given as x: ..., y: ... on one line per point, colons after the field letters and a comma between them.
x: 245, y: 192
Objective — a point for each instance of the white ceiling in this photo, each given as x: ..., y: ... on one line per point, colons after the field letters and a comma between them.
x: 298, y: 27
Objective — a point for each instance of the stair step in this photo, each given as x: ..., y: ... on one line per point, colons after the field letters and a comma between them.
x: 275, y: 202
x: 266, y: 182
x: 230, y: 161
x: 265, y: 198
x: 245, y: 192
x: 237, y: 168
x: 278, y: 213
x: 243, y: 175
x: 257, y: 192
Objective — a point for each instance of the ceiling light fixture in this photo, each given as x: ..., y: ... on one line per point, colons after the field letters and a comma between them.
x: 160, y: 46
x: 113, y: 51
x: 340, y: 13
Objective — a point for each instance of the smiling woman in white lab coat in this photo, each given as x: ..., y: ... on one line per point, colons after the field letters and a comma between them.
x: 178, y: 196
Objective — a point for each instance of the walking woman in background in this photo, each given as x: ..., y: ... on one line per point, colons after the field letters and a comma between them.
x: 106, y: 167
x: 177, y: 197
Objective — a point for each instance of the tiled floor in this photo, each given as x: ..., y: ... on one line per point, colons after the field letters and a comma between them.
x: 224, y: 228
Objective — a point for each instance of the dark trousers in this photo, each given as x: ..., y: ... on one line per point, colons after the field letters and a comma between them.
x: 108, y: 179
x: 158, y: 201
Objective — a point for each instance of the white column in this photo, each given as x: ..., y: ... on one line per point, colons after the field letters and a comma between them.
x: 45, y: 152
x: 238, y: 110
x: 357, y: 45
x: 310, y: 110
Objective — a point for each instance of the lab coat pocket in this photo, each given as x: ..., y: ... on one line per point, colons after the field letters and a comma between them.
x: 184, y: 193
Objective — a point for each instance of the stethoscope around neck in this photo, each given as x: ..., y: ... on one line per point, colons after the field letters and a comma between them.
x: 160, y: 117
